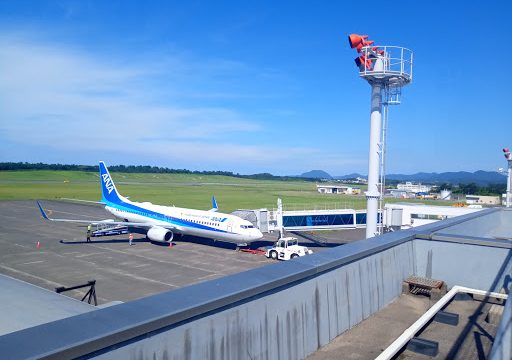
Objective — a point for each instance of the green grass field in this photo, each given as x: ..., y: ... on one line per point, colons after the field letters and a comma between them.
x: 182, y: 190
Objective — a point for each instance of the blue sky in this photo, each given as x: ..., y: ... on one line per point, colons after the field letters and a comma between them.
x: 250, y: 86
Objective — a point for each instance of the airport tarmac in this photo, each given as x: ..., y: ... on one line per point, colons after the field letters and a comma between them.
x: 122, y: 272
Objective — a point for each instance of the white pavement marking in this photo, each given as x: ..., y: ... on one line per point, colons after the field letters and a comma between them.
x: 72, y: 253
x: 89, y: 254
x: 117, y: 271
x: 23, y: 246
x: 150, y: 258
x: 141, y: 278
x: 210, y: 276
x: 10, y: 217
x: 34, y: 262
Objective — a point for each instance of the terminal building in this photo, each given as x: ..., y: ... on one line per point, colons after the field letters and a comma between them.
x: 413, y: 187
x: 401, y: 194
x: 406, y: 215
x: 338, y: 189
x: 482, y: 200
x: 411, y: 190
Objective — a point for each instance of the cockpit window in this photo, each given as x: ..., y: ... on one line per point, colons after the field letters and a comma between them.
x: 247, y: 226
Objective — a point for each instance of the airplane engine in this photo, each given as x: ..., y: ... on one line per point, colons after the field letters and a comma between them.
x: 157, y: 233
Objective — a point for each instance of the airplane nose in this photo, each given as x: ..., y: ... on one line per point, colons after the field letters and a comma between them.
x: 258, y: 234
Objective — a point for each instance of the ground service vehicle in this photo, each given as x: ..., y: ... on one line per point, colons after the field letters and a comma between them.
x: 287, y: 248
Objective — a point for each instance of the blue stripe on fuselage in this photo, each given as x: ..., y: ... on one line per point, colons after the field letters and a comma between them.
x: 121, y: 205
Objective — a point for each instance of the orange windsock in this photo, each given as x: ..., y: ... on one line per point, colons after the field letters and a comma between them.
x: 358, y: 41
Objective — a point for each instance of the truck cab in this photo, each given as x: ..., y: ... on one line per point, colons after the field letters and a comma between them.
x: 287, y: 248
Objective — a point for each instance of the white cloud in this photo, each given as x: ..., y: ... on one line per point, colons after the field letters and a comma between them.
x: 69, y: 101
x: 49, y: 94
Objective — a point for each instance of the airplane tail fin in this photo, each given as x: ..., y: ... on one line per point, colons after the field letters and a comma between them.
x: 108, y: 188
x: 214, y: 204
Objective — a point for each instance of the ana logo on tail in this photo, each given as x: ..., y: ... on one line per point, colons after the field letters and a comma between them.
x: 108, y: 182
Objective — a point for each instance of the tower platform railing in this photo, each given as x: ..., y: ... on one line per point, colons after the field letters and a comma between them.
x: 388, y: 65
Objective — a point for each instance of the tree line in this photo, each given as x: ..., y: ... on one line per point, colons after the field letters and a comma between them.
x: 474, y: 189
x: 466, y: 189
x: 139, y: 169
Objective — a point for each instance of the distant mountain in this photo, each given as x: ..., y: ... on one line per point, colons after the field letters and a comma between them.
x: 316, y: 174
x: 480, y: 177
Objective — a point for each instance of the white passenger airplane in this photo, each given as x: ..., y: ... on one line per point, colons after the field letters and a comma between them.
x: 161, y: 222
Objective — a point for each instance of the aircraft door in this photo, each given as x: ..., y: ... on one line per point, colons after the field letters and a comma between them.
x: 281, y: 244
x: 230, y: 226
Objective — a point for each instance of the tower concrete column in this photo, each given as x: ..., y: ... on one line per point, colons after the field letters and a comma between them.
x: 373, y: 194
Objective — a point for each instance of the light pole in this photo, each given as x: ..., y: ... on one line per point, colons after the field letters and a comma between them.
x: 508, y: 196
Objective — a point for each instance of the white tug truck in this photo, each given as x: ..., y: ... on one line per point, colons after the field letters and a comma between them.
x: 287, y: 248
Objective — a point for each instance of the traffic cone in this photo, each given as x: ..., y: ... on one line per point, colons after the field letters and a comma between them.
x: 170, y: 244
x: 38, y: 245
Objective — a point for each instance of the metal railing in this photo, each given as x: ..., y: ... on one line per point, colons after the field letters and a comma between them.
x: 390, y: 64
x: 90, y: 295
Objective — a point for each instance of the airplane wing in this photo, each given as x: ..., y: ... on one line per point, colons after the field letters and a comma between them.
x: 107, y: 221
x: 214, y: 205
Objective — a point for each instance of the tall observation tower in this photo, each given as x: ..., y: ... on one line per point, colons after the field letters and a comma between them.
x: 387, y: 69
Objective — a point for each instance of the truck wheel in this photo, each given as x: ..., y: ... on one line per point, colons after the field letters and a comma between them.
x: 273, y: 254
x: 294, y: 256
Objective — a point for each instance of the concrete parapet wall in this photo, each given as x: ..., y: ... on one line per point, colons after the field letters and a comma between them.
x: 290, y: 323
